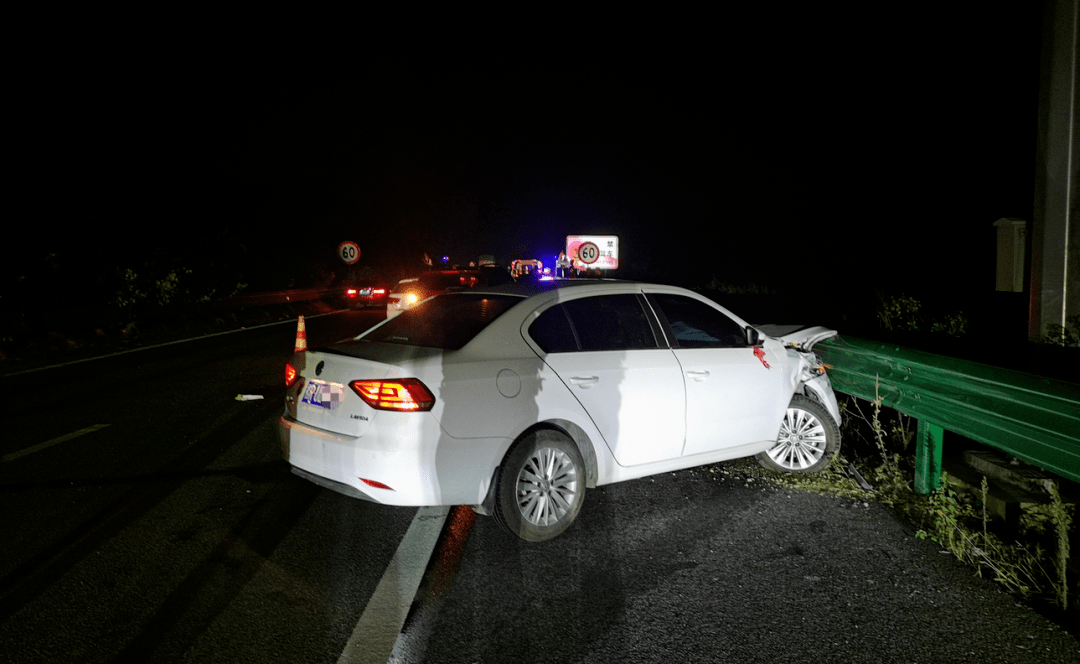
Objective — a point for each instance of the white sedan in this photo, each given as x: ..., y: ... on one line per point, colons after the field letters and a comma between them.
x: 515, y: 399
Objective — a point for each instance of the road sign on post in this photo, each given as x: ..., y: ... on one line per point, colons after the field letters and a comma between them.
x: 348, y: 252
x: 594, y: 251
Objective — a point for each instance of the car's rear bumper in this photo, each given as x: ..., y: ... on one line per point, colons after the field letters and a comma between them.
x: 424, y: 468
x: 340, y: 487
x: 362, y: 302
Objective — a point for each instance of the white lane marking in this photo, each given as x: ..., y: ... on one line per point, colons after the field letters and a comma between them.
x: 377, y: 631
x: 50, y: 443
x: 167, y: 343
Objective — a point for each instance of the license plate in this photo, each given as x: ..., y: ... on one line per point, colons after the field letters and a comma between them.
x: 323, y: 395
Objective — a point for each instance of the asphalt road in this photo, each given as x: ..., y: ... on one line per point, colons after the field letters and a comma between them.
x: 148, y: 518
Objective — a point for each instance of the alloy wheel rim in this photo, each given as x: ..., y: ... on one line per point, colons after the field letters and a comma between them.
x: 547, y: 486
x: 801, y: 442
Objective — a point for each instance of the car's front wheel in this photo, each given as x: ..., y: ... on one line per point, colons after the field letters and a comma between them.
x: 541, y: 486
x: 808, y: 439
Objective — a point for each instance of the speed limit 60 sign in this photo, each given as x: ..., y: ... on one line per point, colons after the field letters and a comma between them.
x: 348, y: 252
x: 588, y: 253
x: 594, y: 251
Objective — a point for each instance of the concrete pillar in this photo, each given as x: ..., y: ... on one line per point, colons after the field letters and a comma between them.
x: 1055, y: 249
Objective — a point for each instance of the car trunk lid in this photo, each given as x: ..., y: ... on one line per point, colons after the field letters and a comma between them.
x: 321, y: 396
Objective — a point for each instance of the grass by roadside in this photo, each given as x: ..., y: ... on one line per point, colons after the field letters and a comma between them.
x: 1032, y: 562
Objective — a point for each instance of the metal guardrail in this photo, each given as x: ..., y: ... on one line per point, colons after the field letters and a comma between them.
x: 1030, y: 417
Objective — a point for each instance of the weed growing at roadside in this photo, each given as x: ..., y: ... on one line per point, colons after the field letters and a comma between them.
x: 1067, y: 335
x: 906, y: 314
x: 954, y: 524
x: 959, y: 521
x: 953, y: 325
x: 890, y: 476
x: 947, y: 513
x: 1062, y: 517
x: 898, y: 313
x: 836, y: 480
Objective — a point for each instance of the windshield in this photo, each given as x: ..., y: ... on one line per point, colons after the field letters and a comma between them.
x: 448, y: 321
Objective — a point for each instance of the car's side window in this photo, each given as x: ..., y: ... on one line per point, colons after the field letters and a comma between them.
x: 694, y: 324
x: 610, y: 322
x: 606, y: 322
x: 552, y: 332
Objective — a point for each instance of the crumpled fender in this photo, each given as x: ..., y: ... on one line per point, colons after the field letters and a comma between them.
x: 800, y: 336
x: 823, y: 389
x: 801, y: 339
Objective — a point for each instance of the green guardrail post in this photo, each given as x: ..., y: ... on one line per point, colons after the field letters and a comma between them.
x: 928, y: 439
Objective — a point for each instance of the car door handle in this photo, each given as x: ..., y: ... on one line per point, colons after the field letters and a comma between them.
x: 584, y: 381
x: 697, y: 375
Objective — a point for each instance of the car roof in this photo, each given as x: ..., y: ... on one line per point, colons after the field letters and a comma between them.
x: 530, y: 288
x: 540, y: 293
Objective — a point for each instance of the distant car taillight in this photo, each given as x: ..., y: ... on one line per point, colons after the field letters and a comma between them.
x: 379, y: 291
x: 290, y: 374
x: 403, y: 394
x: 351, y: 292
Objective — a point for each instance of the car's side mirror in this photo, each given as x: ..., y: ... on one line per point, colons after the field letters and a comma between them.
x: 753, y: 337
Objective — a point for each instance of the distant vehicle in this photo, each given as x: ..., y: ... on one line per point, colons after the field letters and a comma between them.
x: 495, y: 275
x: 515, y: 399
x: 526, y: 268
x: 409, y: 292
x: 370, y: 295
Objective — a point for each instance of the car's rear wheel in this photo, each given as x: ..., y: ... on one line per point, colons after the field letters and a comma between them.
x: 540, y: 486
x: 808, y: 439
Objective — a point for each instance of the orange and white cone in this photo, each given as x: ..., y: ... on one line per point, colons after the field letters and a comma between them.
x: 301, y: 336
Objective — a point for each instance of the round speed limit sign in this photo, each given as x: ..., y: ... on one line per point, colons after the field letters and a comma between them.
x: 348, y: 252
x: 588, y: 253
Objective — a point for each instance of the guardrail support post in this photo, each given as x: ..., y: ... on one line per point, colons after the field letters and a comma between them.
x: 928, y: 439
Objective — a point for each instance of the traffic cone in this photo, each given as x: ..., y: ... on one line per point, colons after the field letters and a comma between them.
x: 301, y: 336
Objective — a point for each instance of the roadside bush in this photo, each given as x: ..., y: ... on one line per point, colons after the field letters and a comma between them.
x: 1067, y: 335
x: 902, y: 313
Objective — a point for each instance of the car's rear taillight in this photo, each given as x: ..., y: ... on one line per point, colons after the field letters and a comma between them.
x: 402, y: 394
x: 290, y: 374
x: 379, y: 291
x: 351, y: 292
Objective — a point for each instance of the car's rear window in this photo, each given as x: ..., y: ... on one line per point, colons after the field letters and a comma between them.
x: 449, y: 321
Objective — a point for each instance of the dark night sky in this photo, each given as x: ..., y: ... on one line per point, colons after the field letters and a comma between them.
x: 759, y: 146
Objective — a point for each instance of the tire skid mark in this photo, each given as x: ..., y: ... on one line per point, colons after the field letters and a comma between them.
x: 35, y: 575
x: 211, y: 586
x: 411, y: 644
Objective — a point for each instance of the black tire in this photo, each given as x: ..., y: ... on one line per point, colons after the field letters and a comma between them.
x: 808, y: 440
x: 540, y: 486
